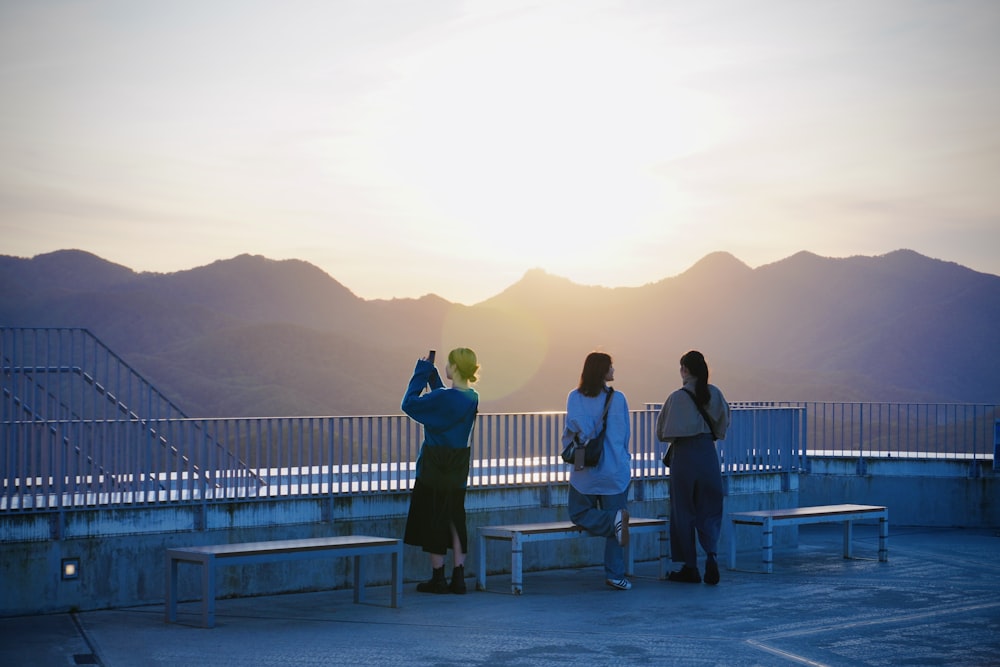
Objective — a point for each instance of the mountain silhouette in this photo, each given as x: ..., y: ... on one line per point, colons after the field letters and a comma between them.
x: 250, y: 336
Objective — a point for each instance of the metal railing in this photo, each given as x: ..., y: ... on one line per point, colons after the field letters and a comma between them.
x: 67, y: 373
x: 69, y: 464
x: 80, y: 428
x: 75, y: 400
x: 912, y: 430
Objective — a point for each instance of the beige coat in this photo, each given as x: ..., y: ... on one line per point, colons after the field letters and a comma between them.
x: 679, y: 416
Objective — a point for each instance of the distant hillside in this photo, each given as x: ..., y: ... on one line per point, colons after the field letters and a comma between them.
x: 251, y: 336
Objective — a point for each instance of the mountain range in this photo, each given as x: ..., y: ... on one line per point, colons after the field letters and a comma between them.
x: 250, y: 336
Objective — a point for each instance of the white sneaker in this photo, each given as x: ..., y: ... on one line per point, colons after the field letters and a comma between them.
x: 621, y: 527
x: 620, y: 584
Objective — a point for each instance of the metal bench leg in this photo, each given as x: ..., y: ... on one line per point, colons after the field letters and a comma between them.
x: 397, y: 576
x: 848, y: 538
x: 208, y: 592
x: 481, y: 560
x: 516, y: 547
x: 664, y: 552
x: 883, y: 538
x: 359, y: 579
x: 767, y: 544
x: 732, y: 545
x: 170, y: 610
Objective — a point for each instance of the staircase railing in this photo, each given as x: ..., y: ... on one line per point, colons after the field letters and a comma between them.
x: 56, y: 376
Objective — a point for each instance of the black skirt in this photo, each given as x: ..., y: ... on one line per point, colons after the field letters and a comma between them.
x: 433, y: 511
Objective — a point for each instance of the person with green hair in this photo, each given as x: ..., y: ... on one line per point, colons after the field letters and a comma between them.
x: 436, y: 518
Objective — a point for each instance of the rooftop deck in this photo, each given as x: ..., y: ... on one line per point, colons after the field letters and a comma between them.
x: 934, y: 603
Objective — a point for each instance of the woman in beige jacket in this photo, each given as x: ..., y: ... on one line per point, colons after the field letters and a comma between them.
x: 690, y: 421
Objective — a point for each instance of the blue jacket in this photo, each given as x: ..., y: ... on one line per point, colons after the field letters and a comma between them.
x: 447, y: 415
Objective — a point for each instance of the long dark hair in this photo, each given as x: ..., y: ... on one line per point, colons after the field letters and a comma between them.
x: 695, y: 362
x: 595, y: 371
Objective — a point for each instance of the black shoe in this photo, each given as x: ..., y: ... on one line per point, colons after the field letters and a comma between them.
x: 685, y: 575
x: 457, y: 585
x: 711, y: 572
x: 436, y: 584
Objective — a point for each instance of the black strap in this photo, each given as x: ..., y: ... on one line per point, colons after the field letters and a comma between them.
x: 607, y: 403
x: 604, y: 417
x: 701, y: 409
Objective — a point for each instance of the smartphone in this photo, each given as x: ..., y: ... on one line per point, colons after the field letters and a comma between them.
x: 430, y: 356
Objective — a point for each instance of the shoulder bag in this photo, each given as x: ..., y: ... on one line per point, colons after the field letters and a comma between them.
x: 588, y: 454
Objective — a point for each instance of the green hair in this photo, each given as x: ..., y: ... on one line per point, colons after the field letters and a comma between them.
x: 465, y: 362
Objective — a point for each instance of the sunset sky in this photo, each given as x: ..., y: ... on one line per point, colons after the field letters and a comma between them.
x: 447, y: 147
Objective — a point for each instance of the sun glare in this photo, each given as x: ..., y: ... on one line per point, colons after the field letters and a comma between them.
x: 546, y: 148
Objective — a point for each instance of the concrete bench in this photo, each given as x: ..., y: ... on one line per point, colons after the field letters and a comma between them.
x: 212, y: 556
x: 769, y: 519
x: 519, y: 534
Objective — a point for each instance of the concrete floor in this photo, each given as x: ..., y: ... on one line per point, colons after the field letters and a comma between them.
x: 935, y: 602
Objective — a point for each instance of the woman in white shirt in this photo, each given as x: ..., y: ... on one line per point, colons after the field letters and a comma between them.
x: 598, y: 496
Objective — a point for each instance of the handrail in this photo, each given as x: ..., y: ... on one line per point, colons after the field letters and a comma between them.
x: 315, y: 456
x: 296, y: 456
x: 50, y: 375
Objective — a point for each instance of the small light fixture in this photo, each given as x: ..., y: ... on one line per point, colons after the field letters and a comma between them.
x: 70, y: 568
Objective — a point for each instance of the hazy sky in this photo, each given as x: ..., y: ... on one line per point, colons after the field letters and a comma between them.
x: 447, y: 147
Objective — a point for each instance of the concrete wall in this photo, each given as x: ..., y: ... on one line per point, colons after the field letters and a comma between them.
x: 121, y: 551
x: 918, y: 492
x: 122, y: 562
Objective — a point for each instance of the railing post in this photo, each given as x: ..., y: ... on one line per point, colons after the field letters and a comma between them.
x: 861, y: 430
x: 804, y: 461
x: 862, y: 468
x: 996, y: 444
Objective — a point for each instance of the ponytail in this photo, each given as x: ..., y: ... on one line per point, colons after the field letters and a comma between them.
x: 696, y: 365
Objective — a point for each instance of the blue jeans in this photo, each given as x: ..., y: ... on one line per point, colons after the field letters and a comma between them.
x: 596, y: 515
